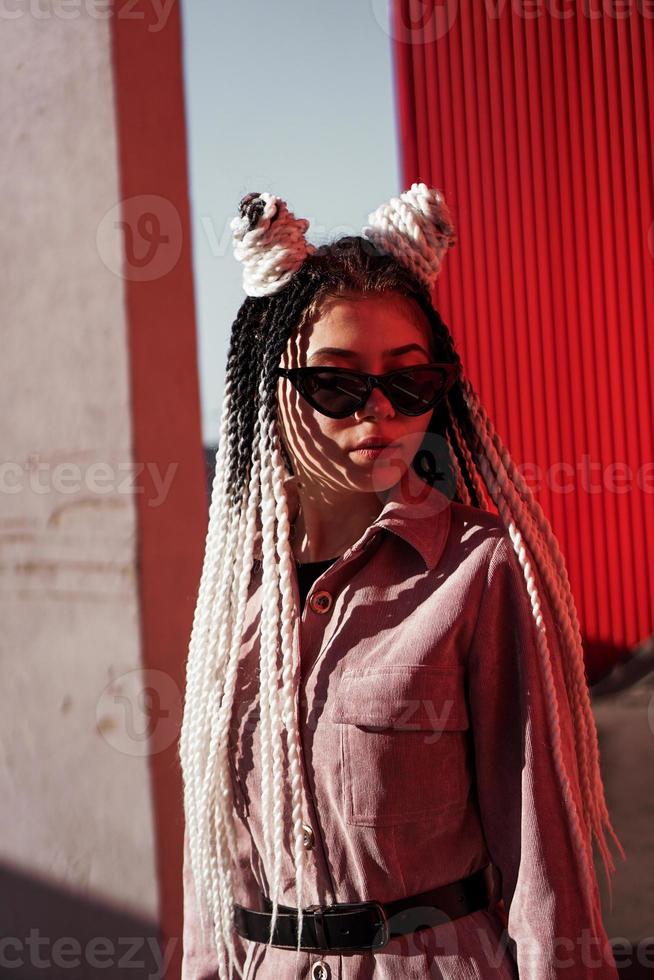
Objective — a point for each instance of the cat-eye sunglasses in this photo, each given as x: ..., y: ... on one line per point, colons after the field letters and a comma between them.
x: 339, y: 392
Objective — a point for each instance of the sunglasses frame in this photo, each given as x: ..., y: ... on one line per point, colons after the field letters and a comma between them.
x: 297, y: 375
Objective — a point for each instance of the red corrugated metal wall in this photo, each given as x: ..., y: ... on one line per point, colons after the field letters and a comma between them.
x: 535, y: 119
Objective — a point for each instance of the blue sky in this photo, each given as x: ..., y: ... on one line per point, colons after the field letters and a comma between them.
x: 295, y: 98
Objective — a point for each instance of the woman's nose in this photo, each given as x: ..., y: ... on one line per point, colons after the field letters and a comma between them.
x: 377, y: 404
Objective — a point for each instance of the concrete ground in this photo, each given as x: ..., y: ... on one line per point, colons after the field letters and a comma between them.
x: 623, y: 706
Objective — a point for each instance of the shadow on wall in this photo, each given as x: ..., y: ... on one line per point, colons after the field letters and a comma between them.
x: 630, y: 670
x: 46, y: 931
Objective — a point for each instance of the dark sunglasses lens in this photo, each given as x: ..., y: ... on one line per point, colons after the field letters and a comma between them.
x: 416, y: 390
x: 333, y: 392
x: 412, y: 392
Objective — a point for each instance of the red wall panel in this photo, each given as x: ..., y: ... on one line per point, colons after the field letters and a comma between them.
x: 536, y: 121
x: 165, y: 401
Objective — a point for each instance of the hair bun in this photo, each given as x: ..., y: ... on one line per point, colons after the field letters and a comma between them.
x: 269, y: 240
x: 251, y: 207
x: 416, y: 228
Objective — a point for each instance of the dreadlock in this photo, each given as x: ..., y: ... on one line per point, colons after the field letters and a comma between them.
x: 248, y: 486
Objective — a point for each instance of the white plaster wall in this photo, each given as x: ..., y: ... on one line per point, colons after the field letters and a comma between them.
x: 75, y: 803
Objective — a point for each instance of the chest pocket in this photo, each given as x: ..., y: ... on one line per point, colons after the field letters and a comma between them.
x: 404, y: 743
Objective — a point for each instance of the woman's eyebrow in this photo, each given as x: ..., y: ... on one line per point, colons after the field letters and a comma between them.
x: 341, y: 352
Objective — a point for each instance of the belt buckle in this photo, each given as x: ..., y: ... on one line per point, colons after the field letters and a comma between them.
x: 381, y: 925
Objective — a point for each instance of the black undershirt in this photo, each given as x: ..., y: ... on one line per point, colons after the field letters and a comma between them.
x: 308, y: 572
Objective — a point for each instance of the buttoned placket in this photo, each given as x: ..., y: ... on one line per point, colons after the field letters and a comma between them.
x: 308, y: 631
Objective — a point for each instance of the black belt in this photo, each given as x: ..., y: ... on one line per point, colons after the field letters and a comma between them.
x: 353, y: 926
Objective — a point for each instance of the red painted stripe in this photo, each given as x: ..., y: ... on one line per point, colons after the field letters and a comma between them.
x: 150, y: 121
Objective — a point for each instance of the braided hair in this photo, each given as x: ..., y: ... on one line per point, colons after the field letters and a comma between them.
x: 248, y: 493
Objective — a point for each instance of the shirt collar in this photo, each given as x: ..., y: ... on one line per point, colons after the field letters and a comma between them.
x: 418, y: 513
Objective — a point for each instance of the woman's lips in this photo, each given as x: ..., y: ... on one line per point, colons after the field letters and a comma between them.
x: 373, y: 452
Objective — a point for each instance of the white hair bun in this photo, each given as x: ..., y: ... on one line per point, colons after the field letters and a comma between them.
x: 269, y: 240
x: 416, y: 228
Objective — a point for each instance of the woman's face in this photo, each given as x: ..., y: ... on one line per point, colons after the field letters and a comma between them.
x: 375, y: 334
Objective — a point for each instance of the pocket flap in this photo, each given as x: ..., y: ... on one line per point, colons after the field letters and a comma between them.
x: 405, y: 698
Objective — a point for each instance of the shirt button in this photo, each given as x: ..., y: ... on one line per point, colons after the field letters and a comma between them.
x: 320, y: 970
x: 321, y: 601
x: 308, y: 839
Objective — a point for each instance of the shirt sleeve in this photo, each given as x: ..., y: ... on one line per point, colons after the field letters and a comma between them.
x: 556, y: 933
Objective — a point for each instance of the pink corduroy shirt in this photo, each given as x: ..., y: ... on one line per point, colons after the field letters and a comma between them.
x: 426, y: 753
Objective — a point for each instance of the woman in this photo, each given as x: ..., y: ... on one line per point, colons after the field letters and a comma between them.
x: 399, y: 776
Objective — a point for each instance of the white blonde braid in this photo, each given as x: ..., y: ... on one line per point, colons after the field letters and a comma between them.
x: 274, y: 249
x: 416, y: 228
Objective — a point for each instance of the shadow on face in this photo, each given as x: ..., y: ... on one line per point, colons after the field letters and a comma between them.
x: 373, y: 333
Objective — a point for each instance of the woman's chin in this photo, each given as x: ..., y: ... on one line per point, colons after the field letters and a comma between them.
x: 377, y: 474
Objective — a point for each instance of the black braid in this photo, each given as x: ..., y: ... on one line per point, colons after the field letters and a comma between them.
x: 285, y: 316
x: 242, y: 373
x: 260, y: 333
x: 463, y: 463
x: 441, y: 422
